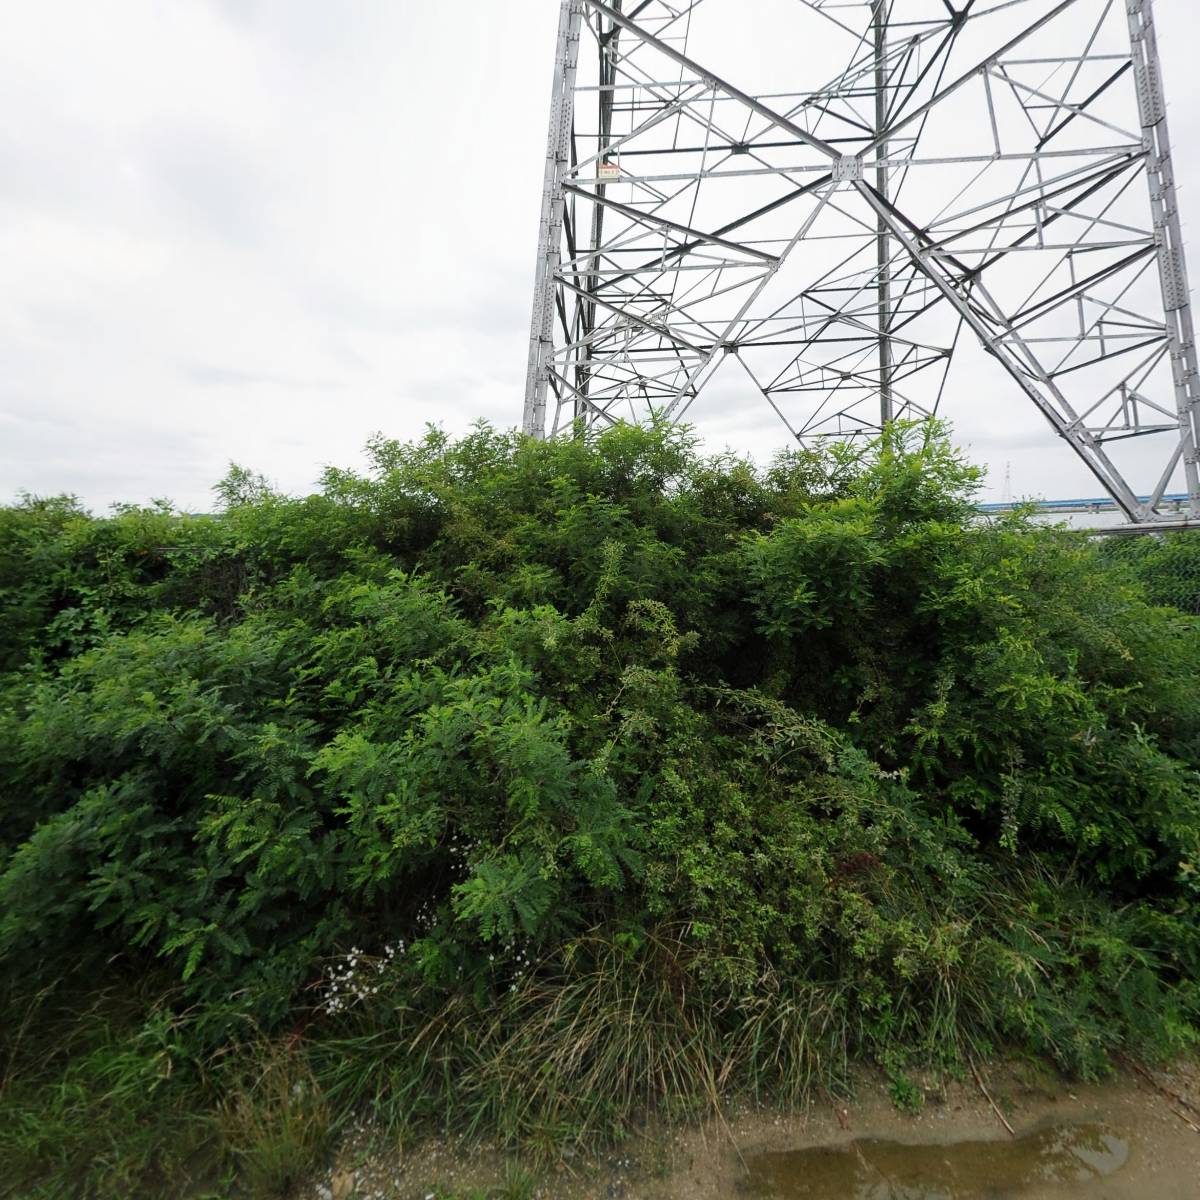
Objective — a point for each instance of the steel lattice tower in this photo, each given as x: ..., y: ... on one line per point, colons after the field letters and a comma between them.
x: 995, y: 170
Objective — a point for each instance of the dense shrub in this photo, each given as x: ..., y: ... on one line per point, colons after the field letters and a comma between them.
x: 1168, y: 566
x: 810, y: 758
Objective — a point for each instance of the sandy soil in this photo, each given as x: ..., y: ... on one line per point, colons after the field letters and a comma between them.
x: 1149, y: 1121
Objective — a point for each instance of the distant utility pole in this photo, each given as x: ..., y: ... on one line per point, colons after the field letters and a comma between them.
x: 933, y: 173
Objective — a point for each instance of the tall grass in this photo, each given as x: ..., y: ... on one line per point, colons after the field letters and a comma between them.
x: 573, y: 1054
x: 576, y: 1052
x: 98, y: 1098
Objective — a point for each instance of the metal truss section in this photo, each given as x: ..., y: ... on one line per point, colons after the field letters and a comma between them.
x: 827, y: 199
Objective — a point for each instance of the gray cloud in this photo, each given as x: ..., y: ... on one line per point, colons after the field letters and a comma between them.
x: 262, y: 229
x: 208, y: 375
x: 208, y: 183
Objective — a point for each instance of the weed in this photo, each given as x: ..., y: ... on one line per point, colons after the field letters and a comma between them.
x: 274, y: 1121
x: 96, y: 1103
x: 518, y: 1185
x: 906, y: 1096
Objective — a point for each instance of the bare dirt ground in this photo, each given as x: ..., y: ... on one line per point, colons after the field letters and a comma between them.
x: 1133, y: 1137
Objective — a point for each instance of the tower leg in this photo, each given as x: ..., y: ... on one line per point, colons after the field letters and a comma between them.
x: 1168, y: 235
x: 558, y: 145
x: 883, y: 250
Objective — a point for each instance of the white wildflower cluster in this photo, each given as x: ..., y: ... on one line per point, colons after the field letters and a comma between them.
x: 425, y: 915
x: 461, y: 849
x: 520, y: 958
x: 356, y: 977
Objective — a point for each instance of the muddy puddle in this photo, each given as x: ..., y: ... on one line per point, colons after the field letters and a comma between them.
x: 1053, y: 1160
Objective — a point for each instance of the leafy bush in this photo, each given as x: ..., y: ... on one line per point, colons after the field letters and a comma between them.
x: 666, y: 774
x: 1168, y: 566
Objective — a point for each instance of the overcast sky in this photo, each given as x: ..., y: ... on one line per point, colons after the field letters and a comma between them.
x: 260, y: 230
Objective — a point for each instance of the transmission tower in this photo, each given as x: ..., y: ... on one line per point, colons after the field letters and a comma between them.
x: 833, y: 200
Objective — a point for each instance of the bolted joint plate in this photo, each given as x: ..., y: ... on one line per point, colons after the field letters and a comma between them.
x: 847, y: 169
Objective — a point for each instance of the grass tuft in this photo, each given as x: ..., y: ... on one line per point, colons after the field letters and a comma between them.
x: 274, y: 1121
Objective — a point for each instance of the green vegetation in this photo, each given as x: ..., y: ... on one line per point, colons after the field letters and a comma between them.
x: 521, y: 789
x: 906, y: 1095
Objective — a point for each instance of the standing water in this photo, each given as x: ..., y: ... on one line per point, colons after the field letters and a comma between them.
x: 1053, y: 1160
